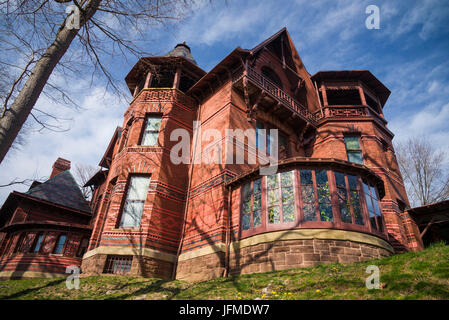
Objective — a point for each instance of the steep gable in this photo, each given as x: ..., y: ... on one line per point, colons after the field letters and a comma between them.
x: 62, y: 189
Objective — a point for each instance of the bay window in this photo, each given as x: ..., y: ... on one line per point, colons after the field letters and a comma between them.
x: 309, y: 198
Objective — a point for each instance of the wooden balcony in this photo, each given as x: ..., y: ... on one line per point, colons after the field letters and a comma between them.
x: 257, y: 83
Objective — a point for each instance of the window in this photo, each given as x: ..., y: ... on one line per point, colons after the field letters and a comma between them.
x: 355, y: 199
x: 343, y: 198
x: 135, y: 200
x: 118, y: 264
x: 151, y: 130
x: 252, y: 205
x: 19, y: 242
x: 280, y: 198
x: 372, y: 202
x: 349, y: 198
x: 308, y: 195
x: 83, y: 247
x: 324, y: 196
x: 38, y: 243
x: 264, y: 140
x: 353, y: 150
x: 60, y: 244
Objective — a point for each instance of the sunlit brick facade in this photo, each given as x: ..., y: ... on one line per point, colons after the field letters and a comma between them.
x: 338, y: 195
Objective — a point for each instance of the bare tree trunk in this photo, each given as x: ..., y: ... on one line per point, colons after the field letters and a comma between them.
x: 15, y: 116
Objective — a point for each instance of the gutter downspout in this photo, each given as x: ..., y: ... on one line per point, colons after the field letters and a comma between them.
x: 192, y: 156
x: 228, y: 233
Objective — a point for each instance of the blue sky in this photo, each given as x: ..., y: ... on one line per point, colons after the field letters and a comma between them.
x: 409, y: 54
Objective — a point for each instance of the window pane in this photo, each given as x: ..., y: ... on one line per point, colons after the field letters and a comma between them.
x: 138, y: 188
x: 132, y: 213
x: 321, y: 177
x: 289, y: 213
x: 352, y: 143
x: 355, y: 156
x: 273, y: 196
x: 38, y: 243
x: 272, y: 181
x: 60, y: 245
x: 355, y: 198
x: 344, y: 205
x: 306, y: 177
x: 257, y: 205
x: 258, y: 186
x: 308, y: 196
x: 352, y: 180
x: 257, y: 221
x: 286, y: 179
x: 376, y: 207
x: 274, y: 215
x: 154, y: 123
x: 246, y: 221
x: 326, y: 212
x: 287, y: 195
x: 340, y: 179
x: 309, y: 211
x: 150, y: 138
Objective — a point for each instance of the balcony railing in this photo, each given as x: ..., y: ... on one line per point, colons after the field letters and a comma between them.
x: 276, y: 93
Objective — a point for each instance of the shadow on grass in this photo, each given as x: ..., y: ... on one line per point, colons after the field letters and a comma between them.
x: 28, y: 291
x: 155, y: 287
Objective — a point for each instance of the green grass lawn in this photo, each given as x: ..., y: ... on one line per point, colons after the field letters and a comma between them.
x: 413, y: 275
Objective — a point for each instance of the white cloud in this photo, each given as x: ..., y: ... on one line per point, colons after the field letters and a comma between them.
x: 86, y: 141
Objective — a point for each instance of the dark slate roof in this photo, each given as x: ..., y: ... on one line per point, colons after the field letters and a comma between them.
x: 62, y: 189
x: 181, y: 50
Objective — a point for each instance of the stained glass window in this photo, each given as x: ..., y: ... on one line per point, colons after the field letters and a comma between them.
x: 355, y: 199
x: 252, y: 204
x: 343, y: 198
x: 280, y: 198
x: 308, y: 195
x: 372, y: 203
x: 324, y: 196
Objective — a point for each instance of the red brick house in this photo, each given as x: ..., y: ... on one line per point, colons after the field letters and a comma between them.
x: 337, y: 194
x: 46, y: 228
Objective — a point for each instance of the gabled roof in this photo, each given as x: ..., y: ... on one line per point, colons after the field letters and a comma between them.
x: 62, y: 189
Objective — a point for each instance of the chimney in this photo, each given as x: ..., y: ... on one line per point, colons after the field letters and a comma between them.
x: 59, y: 166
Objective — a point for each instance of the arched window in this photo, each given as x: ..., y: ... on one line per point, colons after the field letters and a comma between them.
x: 60, y: 244
x: 272, y: 76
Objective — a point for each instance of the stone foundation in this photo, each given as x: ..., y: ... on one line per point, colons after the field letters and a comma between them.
x: 282, y: 250
x: 149, y: 263
x: 280, y: 255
